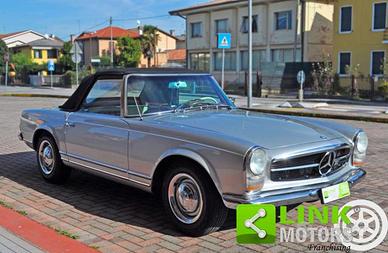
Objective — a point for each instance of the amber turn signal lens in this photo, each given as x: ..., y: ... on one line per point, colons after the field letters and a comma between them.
x: 358, y: 164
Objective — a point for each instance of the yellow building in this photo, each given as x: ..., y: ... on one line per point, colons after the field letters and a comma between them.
x: 360, y: 38
x: 40, y: 51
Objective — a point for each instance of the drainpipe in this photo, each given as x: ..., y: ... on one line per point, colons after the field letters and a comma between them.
x: 186, y: 39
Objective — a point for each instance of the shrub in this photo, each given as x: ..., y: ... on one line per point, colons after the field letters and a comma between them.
x: 383, y: 88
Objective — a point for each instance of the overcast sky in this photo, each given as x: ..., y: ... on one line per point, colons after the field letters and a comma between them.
x: 65, y: 17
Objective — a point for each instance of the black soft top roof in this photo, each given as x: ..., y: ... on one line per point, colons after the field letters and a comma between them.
x: 75, y: 100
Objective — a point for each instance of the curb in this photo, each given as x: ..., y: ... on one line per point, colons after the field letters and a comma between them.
x: 319, y: 115
x: 39, y: 235
x: 33, y: 95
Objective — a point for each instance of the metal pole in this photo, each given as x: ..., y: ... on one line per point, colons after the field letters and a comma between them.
x: 223, y: 69
x: 296, y: 31
x: 6, y: 73
x: 250, y: 54
x: 51, y: 79
x: 111, y: 41
x: 302, y: 30
x: 76, y: 63
x: 301, y: 91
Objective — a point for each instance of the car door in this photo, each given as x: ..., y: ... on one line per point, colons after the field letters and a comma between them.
x: 96, y: 136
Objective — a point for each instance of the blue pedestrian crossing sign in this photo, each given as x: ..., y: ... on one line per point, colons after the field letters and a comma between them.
x: 224, y: 41
x: 50, y: 65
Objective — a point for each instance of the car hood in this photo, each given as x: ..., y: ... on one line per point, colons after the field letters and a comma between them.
x: 265, y: 130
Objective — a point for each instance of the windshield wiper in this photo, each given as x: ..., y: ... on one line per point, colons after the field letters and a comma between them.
x: 198, y: 103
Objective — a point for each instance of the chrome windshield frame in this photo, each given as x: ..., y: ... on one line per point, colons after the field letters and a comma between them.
x: 124, y: 97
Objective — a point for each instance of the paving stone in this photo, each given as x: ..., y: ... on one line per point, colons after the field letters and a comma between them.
x: 118, y: 218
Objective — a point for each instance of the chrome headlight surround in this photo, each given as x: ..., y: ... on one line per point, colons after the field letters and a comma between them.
x: 256, y: 163
x: 360, y: 148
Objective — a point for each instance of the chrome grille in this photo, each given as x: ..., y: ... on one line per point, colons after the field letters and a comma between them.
x: 307, y: 166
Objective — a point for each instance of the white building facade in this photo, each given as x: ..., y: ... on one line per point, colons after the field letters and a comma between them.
x: 276, y: 31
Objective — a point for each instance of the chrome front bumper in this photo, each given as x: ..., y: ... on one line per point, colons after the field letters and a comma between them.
x: 296, y: 197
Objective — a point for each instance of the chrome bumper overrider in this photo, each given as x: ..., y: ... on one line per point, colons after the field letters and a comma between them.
x: 296, y: 197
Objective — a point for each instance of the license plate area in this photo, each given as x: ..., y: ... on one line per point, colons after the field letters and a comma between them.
x: 335, y: 192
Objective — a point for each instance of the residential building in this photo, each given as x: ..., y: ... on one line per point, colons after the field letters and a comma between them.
x: 19, y: 38
x: 181, y: 42
x: 360, y: 38
x: 41, y: 50
x: 277, y: 36
x: 97, y: 44
x: 166, y: 41
x: 174, y: 58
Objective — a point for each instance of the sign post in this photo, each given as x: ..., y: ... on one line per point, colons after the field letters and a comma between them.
x: 301, y: 78
x: 76, y: 53
x: 51, y: 68
x: 224, y: 41
x: 6, y: 60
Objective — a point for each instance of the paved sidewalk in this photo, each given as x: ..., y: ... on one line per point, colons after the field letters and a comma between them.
x: 37, y: 91
x: 116, y: 218
x: 22, y: 235
x: 10, y: 243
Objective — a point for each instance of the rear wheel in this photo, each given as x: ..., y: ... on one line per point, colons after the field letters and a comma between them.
x: 191, y: 200
x: 49, y: 161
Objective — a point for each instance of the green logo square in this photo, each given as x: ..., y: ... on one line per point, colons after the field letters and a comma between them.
x: 256, y: 224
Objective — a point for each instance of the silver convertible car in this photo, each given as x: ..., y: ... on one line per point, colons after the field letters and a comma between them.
x: 176, y: 134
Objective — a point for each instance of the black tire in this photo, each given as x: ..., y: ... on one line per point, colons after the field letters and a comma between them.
x: 213, y: 212
x: 57, y: 172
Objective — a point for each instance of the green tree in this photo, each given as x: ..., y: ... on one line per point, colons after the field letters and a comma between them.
x: 24, y: 66
x: 129, y: 52
x: 65, y: 59
x: 3, y: 50
x: 20, y: 60
x: 149, y: 41
x: 105, y: 61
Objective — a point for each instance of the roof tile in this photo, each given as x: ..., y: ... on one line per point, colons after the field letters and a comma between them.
x: 104, y: 33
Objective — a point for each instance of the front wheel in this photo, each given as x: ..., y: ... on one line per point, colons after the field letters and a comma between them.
x: 191, y: 200
x: 49, y: 161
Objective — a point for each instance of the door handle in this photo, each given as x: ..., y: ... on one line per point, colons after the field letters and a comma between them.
x: 69, y: 124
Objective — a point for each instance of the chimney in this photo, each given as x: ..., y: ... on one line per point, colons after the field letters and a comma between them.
x: 172, y: 32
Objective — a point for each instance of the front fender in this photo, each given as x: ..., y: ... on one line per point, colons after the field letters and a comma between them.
x: 195, y: 157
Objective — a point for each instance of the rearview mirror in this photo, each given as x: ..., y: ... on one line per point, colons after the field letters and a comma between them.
x: 177, y: 85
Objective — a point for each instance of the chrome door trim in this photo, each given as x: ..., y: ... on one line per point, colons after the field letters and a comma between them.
x: 108, y: 166
x: 111, y: 174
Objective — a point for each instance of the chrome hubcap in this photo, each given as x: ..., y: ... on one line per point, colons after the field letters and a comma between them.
x: 185, y: 198
x: 46, y: 157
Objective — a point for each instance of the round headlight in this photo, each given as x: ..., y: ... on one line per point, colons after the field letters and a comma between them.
x: 361, y: 143
x: 258, y: 161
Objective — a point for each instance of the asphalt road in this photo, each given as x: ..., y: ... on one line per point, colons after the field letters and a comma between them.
x: 117, y: 218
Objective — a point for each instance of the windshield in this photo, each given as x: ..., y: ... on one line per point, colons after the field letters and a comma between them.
x: 153, y: 94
